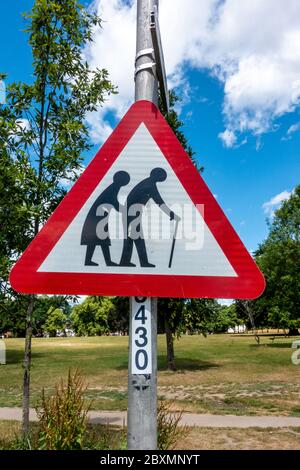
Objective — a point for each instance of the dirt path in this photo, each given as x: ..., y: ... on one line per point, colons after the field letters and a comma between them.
x: 189, y: 419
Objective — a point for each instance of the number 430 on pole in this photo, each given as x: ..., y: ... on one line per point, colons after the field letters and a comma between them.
x: 141, y: 336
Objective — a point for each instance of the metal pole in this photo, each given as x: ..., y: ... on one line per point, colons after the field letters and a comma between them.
x: 142, y: 388
x: 146, y: 84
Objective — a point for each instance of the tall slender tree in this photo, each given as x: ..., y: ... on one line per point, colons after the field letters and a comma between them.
x: 42, y: 124
x: 279, y: 259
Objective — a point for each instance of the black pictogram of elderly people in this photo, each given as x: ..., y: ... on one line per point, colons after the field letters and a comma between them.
x: 138, y: 197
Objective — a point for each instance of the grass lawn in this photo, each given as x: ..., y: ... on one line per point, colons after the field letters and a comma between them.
x: 241, y: 439
x: 221, y: 374
x: 196, y: 439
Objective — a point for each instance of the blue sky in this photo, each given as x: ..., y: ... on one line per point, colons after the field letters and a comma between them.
x: 243, y: 123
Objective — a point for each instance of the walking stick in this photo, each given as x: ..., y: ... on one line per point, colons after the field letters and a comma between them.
x: 173, y: 243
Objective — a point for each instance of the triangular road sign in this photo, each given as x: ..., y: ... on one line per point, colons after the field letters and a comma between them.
x: 140, y: 221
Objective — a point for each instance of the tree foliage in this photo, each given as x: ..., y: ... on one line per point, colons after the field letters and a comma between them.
x: 13, y: 313
x: 196, y: 316
x: 178, y: 316
x: 56, y: 321
x: 43, y: 132
x: 91, y: 317
x: 118, y: 317
x: 279, y: 259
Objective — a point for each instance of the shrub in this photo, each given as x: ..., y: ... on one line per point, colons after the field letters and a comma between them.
x: 63, y: 416
x: 168, y: 430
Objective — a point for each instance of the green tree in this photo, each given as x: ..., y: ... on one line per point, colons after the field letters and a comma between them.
x: 43, y: 123
x: 45, y: 305
x: 13, y: 313
x: 15, y: 189
x: 13, y: 214
x: 13, y: 316
x: 250, y: 313
x: 195, y: 316
x: 118, y: 317
x: 91, y: 317
x: 279, y: 259
x: 221, y: 317
x: 56, y: 321
x: 171, y: 316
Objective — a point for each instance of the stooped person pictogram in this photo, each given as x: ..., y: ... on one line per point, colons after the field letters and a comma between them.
x: 137, y: 200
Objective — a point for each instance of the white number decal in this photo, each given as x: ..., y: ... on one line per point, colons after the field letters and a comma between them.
x: 141, y: 335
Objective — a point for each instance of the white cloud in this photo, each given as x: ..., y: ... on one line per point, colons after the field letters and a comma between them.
x: 71, y: 177
x: 113, y: 49
x: 23, y: 124
x: 228, y: 138
x: 294, y: 128
x: 2, y: 92
x: 291, y: 130
x: 99, y: 128
x: 274, y: 203
x: 250, y: 46
x: 226, y: 302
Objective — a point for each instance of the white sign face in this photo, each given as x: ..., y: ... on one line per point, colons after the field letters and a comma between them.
x: 139, y: 221
x: 141, y: 352
x: 140, y: 194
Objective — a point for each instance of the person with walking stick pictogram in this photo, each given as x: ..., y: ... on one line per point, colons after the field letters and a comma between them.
x: 136, y: 202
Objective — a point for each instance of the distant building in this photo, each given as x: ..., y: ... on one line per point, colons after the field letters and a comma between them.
x: 237, y: 329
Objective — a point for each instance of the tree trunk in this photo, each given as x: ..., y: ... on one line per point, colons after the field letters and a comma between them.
x: 26, y: 365
x: 38, y: 199
x: 293, y: 332
x: 170, y: 347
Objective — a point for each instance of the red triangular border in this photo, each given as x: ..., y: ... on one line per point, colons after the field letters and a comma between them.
x: 249, y: 283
